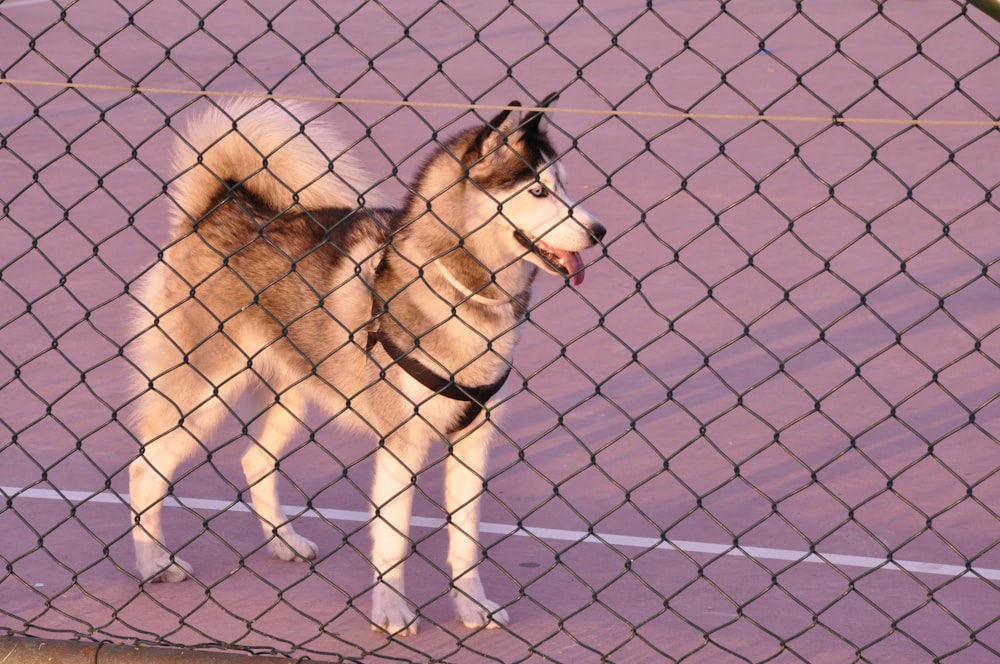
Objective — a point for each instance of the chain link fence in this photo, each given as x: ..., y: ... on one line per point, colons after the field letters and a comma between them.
x: 765, y: 429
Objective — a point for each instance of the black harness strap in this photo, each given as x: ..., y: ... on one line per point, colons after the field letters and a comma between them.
x: 475, y: 397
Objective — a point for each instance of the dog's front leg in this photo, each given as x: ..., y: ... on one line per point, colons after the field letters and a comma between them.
x: 465, y: 472
x: 396, y: 468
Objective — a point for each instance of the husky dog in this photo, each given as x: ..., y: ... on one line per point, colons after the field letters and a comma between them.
x: 288, y: 279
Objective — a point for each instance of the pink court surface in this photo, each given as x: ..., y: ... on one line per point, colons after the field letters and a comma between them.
x: 763, y: 429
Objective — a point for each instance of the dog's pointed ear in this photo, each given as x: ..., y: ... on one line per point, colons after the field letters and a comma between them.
x: 536, y: 121
x: 509, y: 128
x: 496, y: 133
x: 507, y: 121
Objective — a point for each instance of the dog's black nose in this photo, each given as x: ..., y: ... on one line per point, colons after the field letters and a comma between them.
x: 597, y: 231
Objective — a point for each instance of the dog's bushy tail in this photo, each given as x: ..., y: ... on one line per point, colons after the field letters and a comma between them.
x: 270, y: 150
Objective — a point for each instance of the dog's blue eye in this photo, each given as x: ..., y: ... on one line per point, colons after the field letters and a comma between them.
x: 539, y: 191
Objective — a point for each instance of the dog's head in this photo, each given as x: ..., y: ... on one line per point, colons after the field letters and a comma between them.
x: 516, y: 175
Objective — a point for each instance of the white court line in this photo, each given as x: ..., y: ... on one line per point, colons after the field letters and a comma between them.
x: 554, y: 534
x: 7, y: 4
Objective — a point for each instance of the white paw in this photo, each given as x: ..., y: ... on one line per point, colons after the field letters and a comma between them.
x: 159, y: 568
x: 288, y: 545
x: 479, y: 613
x: 391, y: 612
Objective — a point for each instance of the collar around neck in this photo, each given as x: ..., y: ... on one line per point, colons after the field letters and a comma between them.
x: 474, y: 296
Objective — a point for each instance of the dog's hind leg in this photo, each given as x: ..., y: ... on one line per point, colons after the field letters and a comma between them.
x: 398, y: 461
x: 465, y: 480
x: 169, y: 434
x: 281, y: 417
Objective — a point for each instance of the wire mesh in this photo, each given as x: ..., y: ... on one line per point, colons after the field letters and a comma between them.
x: 763, y: 430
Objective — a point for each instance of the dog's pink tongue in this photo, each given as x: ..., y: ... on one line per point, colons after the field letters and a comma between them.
x: 574, y: 265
